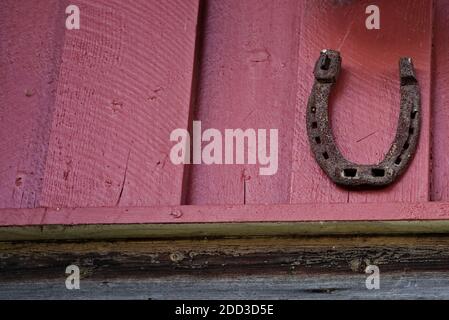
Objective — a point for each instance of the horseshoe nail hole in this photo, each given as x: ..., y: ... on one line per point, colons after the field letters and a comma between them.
x: 314, y: 125
x: 398, y: 161
x: 325, y: 155
x: 411, y: 130
x: 413, y: 114
x: 351, y: 173
x: 318, y: 140
x: 313, y: 109
x: 406, y: 145
x: 378, y: 172
x: 325, y: 62
x: 406, y: 81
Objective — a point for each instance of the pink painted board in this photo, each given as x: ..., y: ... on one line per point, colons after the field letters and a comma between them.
x: 231, y: 213
x: 440, y: 103
x: 87, y: 114
x: 31, y: 37
x: 247, y: 79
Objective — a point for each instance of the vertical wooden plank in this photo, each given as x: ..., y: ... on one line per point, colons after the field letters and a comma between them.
x: 365, y: 104
x: 31, y: 38
x: 440, y: 99
x: 247, y: 80
x: 125, y: 84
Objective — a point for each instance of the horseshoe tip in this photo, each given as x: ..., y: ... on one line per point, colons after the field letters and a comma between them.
x: 407, y: 71
x: 327, y: 67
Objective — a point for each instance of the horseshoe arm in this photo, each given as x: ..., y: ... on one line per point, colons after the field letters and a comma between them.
x: 327, y: 154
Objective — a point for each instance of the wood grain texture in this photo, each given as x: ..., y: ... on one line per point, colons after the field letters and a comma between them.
x: 247, y: 80
x: 276, y: 268
x: 31, y: 37
x: 365, y: 104
x: 440, y: 99
x: 407, y: 285
x: 125, y: 83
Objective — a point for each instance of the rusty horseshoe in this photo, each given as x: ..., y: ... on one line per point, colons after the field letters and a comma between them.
x: 327, y: 154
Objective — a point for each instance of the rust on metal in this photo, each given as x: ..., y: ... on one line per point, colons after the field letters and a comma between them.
x: 340, y: 170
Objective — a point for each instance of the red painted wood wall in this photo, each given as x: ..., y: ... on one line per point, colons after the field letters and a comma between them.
x: 86, y: 114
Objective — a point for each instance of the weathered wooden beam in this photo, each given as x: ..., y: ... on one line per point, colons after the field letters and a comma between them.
x: 407, y: 285
x: 316, y: 267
